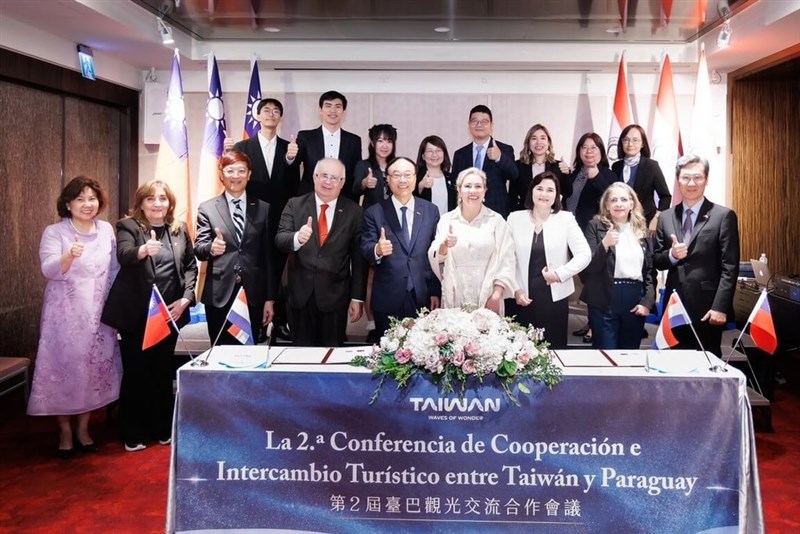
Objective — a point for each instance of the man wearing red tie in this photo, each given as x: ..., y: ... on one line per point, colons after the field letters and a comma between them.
x: 327, y: 277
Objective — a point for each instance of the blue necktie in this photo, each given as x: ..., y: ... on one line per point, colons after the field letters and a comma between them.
x: 479, y: 156
x: 688, y: 227
x: 404, y: 225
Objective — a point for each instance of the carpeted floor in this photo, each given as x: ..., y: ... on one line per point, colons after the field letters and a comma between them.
x: 120, y: 492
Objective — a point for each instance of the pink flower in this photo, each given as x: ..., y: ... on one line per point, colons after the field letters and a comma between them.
x: 524, y: 358
x: 403, y: 356
x: 441, y: 338
x: 458, y: 359
x: 469, y: 367
x: 472, y: 348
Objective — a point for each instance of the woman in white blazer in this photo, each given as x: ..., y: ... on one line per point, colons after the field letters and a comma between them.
x: 544, y: 235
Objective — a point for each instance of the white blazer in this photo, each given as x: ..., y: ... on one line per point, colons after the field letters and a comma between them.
x: 561, y: 235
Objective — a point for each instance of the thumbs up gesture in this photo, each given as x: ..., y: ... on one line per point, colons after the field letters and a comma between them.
x: 227, y: 144
x: 611, y: 238
x: 218, y: 244
x: 304, y: 234
x: 369, y: 181
x: 76, y: 248
x: 152, y: 245
x: 563, y: 166
x: 451, y: 240
x: 384, y: 246
x: 678, y: 250
x: 493, y: 152
x: 291, y: 150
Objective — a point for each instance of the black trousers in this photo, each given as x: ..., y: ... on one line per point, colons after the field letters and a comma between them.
x: 314, y: 328
x: 408, y: 308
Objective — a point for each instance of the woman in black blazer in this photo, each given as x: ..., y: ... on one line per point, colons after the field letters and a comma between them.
x: 537, y: 156
x: 370, y: 174
x: 619, y: 283
x: 589, y: 179
x: 642, y: 173
x: 153, y: 249
x: 434, y: 181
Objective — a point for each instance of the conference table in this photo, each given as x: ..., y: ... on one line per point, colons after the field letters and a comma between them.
x: 287, y: 440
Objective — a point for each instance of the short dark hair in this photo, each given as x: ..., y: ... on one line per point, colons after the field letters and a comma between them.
x: 274, y: 101
x: 328, y: 96
x: 438, y: 142
x: 374, y: 134
x: 539, y: 178
x: 74, y: 188
x: 689, y: 159
x: 399, y: 158
x: 578, y: 164
x: 645, y: 150
x: 480, y: 108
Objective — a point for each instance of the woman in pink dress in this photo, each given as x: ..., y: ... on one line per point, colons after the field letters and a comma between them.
x: 78, y: 367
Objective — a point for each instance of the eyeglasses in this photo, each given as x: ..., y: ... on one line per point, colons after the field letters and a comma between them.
x: 408, y: 175
x: 275, y: 112
x: 629, y: 141
x: 481, y: 122
x: 329, y: 178
x: 234, y: 171
x: 696, y: 178
x: 434, y: 151
x: 589, y: 148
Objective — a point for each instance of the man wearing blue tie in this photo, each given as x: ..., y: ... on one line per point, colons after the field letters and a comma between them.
x: 395, y: 239
x: 494, y: 158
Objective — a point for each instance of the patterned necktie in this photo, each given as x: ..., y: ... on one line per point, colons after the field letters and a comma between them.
x: 688, y: 227
x: 479, y: 156
x: 238, y: 219
x: 404, y: 225
x: 322, y: 225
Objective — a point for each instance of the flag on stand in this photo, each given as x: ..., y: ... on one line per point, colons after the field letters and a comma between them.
x: 762, y: 329
x: 622, y: 115
x: 239, y: 317
x: 700, y: 135
x: 172, y: 165
x: 158, y: 320
x: 209, y: 184
x: 667, y: 147
x: 251, y: 124
x: 674, y: 316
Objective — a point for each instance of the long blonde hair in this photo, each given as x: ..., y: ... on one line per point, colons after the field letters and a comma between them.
x: 635, y: 217
x: 149, y: 189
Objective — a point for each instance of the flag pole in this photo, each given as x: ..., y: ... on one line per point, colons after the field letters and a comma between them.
x: 202, y: 362
x: 712, y: 366
x: 172, y: 321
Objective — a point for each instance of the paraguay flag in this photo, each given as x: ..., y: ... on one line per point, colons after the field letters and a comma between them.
x: 209, y: 184
x: 674, y: 316
x: 251, y: 124
x: 762, y: 329
x: 158, y: 320
x: 239, y: 317
x: 666, y: 144
x: 621, y: 115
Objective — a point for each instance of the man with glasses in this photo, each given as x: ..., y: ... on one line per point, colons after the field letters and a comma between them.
x: 697, y: 242
x: 327, y: 277
x: 396, y: 237
x: 494, y: 158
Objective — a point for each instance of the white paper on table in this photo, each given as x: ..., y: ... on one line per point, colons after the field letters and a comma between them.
x: 346, y: 354
x: 675, y: 361
x: 314, y: 355
x: 244, y: 357
x: 583, y: 358
x: 627, y: 358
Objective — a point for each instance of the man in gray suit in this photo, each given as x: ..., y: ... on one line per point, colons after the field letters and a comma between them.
x: 233, y: 237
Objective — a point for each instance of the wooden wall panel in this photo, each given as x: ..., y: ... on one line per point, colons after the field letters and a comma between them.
x: 765, y: 137
x: 30, y: 171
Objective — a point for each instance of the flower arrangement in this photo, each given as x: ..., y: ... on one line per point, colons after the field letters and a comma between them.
x: 453, y: 344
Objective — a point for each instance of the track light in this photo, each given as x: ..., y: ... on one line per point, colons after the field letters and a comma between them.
x: 165, y: 30
x: 724, y: 37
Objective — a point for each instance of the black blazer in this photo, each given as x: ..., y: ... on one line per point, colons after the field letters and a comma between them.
x: 129, y: 298
x: 598, y: 277
x: 589, y: 202
x: 452, y: 195
x: 379, y: 193
x: 251, y: 258
x: 649, y: 180
x: 497, y: 174
x: 275, y: 189
x: 518, y: 189
x: 706, y: 278
x: 311, y: 149
x: 335, y: 273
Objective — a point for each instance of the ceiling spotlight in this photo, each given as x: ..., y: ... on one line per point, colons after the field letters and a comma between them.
x: 165, y: 31
x: 724, y: 37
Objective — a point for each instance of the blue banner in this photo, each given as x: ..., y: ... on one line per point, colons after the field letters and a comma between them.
x: 305, y: 451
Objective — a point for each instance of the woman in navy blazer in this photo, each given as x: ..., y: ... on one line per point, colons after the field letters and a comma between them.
x: 433, y: 174
x: 619, y: 283
x: 537, y: 156
x: 642, y: 173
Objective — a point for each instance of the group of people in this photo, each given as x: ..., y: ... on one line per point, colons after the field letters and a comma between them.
x: 395, y: 233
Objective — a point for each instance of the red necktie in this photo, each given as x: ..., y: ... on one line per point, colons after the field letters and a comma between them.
x: 323, y: 224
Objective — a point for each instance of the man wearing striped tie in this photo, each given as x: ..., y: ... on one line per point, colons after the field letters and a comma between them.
x: 233, y: 237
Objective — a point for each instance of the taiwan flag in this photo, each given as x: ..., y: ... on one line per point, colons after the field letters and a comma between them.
x: 762, y: 329
x: 239, y: 317
x: 674, y: 317
x: 158, y: 320
x: 251, y: 124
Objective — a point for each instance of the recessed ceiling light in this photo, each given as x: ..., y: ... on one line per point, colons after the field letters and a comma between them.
x: 441, y: 29
x: 272, y: 29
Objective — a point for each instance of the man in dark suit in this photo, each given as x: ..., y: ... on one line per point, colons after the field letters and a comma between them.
x: 321, y: 232
x: 273, y: 180
x: 396, y: 237
x: 329, y: 141
x: 496, y: 159
x: 233, y: 236
x: 697, y: 241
